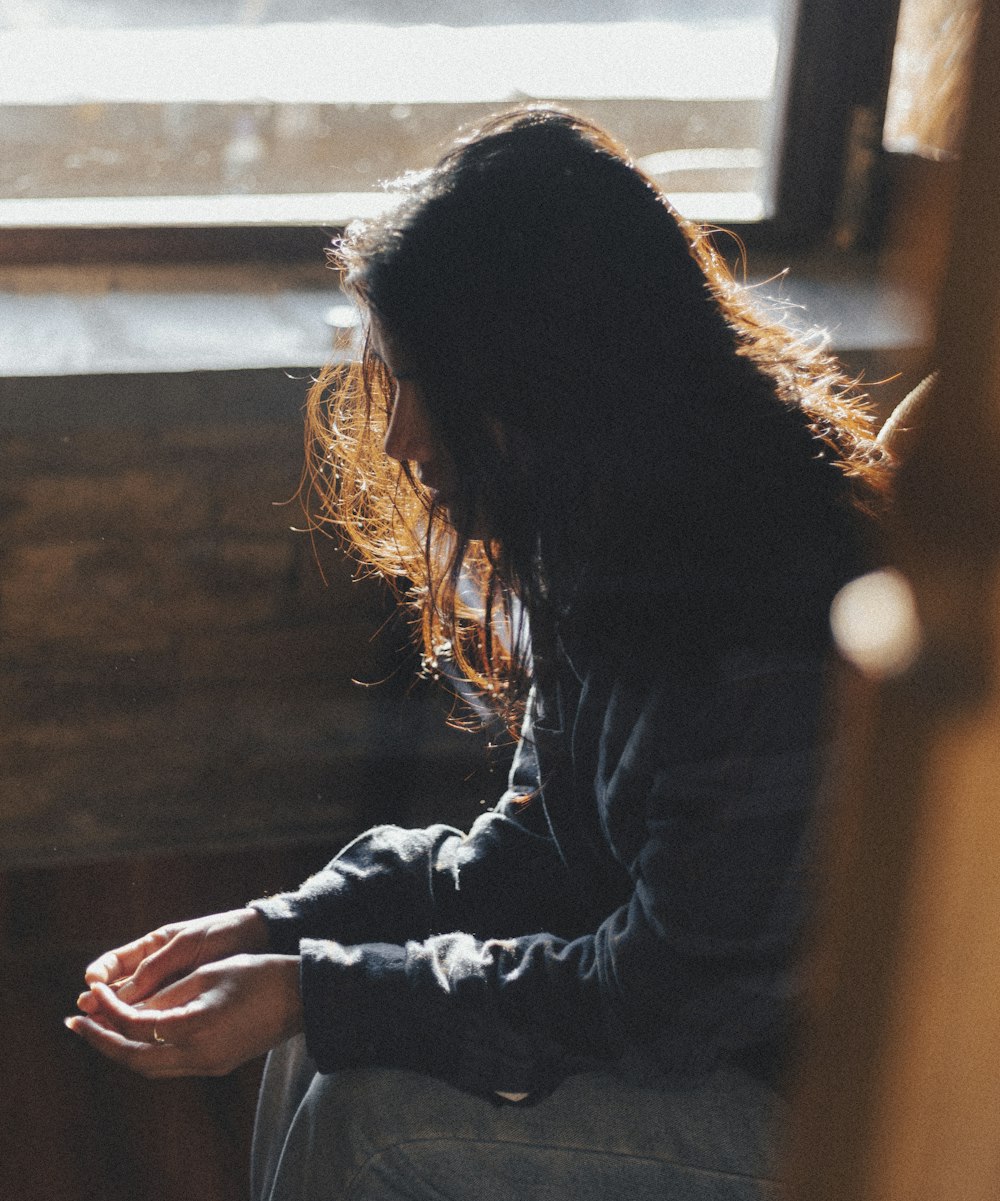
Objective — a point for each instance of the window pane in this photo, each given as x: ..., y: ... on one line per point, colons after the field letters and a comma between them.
x: 291, y: 110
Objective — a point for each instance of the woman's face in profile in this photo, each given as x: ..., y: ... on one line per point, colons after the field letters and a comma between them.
x: 409, y: 437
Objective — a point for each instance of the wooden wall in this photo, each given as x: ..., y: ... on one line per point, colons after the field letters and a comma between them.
x: 179, y: 732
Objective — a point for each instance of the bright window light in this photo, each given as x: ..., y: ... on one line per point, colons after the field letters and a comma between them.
x: 164, y: 110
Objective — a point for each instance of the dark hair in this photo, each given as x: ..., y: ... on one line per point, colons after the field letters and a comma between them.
x: 613, y: 402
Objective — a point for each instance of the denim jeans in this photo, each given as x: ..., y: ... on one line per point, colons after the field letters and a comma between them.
x: 363, y: 1135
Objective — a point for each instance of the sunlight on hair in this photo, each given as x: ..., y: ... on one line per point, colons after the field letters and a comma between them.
x: 608, y: 289
x: 876, y: 625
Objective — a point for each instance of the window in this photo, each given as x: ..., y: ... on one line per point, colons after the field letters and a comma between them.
x: 277, y: 114
x: 226, y: 112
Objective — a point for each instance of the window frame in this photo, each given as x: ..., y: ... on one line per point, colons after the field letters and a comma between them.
x: 832, y: 168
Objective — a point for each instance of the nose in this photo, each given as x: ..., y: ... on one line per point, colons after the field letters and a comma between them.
x: 408, y: 437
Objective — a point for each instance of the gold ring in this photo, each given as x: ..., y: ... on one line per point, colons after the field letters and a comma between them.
x: 157, y: 1037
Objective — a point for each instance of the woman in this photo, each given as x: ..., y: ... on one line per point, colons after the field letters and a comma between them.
x: 623, y: 503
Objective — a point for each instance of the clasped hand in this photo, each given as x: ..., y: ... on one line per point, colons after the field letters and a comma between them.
x: 195, y: 998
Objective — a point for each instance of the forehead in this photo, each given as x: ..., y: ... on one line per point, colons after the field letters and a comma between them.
x: 384, y: 347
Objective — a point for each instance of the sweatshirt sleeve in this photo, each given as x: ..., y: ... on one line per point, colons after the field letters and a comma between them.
x: 392, y: 885
x: 695, y: 966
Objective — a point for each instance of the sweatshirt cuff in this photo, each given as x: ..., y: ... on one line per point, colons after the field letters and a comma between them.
x: 355, y: 1003
x: 393, y: 1006
x: 284, y: 925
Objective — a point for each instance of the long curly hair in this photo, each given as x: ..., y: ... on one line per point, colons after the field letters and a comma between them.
x: 610, y: 396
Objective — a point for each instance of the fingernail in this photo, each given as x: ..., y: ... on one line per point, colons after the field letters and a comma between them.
x: 70, y: 1024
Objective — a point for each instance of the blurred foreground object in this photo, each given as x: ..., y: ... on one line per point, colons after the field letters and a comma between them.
x: 899, y: 1085
x: 930, y: 76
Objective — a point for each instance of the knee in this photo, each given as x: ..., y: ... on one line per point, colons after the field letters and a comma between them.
x: 357, y: 1134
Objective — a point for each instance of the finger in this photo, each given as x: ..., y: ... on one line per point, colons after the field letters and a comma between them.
x: 92, y: 1004
x: 174, y: 958
x: 94, y: 1015
x: 142, y: 1023
x: 149, y: 1059
x: 187, y: 993
x: 91, y: 1001
x: 122, y: 961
